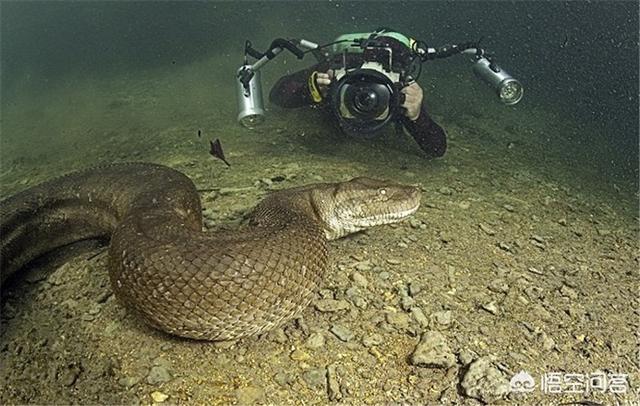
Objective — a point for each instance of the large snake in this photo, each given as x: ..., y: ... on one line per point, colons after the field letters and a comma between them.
x: 215, y: 286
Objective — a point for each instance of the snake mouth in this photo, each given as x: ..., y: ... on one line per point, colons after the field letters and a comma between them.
x: 386, y: 218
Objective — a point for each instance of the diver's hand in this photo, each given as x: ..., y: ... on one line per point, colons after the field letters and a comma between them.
x: 323, y: 80
x: 412, y: 101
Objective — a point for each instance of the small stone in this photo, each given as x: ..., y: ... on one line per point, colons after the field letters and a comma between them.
x: 331, y: 305
x: 419, y: 316
x: 71, y: 375
x: 359, y: 280
x: 158, y: 374
x: 299, y: 355
x: 342, y: 332
x: 315, y: 340
x: 509, y: 208
x: 486, y: 229
x: 499, y: 286
x: 415, y: 223
x: 334, y: 385
x: 249, y: 395
x: 384, y: 275
x: 159, y: 397
x: 447, y: 191
x: 392, y: 261
x: 491, y: 307
x: 414, y: 289
x: 400, y: 321
x: 568, y: 292
x: 371, y: 340
x: 504, y: 246
x: 407, y: 302
x: 442, y: 317
x: 128, y: 381
x: 315, y: 377
x: 363, y: 266
x: 484, y: 382
x: 433, y: 351
x: 402, y: 245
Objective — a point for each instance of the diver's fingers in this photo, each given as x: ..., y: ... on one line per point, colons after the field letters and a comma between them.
x: 323, y: 79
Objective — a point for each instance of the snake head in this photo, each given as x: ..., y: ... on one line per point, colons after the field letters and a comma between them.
x: 355, y: 205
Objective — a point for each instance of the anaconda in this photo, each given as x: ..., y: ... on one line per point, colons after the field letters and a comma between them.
x: 162, y: 265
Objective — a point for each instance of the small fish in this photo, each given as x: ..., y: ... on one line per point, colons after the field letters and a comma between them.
x: 199, y: 133
x: 216, y: 151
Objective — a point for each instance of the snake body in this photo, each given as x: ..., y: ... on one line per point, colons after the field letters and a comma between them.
x: 214, y: 286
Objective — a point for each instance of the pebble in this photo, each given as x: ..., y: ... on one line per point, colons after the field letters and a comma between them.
x: 158, y: 374
x: 315, y: 377
x: 419, y: 316
x: 400, y: 321
x: 359, y: 280
x: 342, y: 332
x: 315, y: 340
x: 392, y: 261
x: 334, y: 385
x: 128, y: 381
x: 159, y: 397
x: 499, y: 286
x: 568, y: 292
x: 71, y: 375
x: 484, y: 382
x: 372, y: 339
x: 299, y: 355
x: 486, y: 229
x: 433, y: 351
x: 491, y: 307
x: 331, y: 305
x: 445, y: 191
x: 442, y: 317
x: 249, y: 395
x: 363, y: 266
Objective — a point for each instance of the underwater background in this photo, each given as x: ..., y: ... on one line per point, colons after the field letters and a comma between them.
x: 93, y: 82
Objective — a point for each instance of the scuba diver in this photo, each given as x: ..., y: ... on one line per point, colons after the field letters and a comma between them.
x: 368, y: 81
x: 311, y: 87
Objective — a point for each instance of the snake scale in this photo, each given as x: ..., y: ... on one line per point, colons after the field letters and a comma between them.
x: 204, y: 285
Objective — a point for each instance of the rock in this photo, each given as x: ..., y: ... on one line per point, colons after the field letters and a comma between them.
x: 568, y: 292
x: 334, y: 385
x: 486, y: 229
x: 70, y: 375
x: 491, y: 307
x: 419, y: 316
x: 315, y: 378
x: 414, y: 288
x: 159, y: 397
x: 372, y: 339
x: 447, y: 191
x: 433, y: 351
x: 249, y: 395
x: 128, y: 381
x: 342, y: 332
x: 359, y: 280
x: 299, y: 355
x: 363, y: 266
x: 499, y: 286
x: 331, y: 305
x: 283, y: 378
x: 442, y: 317
x: 484, y: 382
x: 158, y: 374
x: 399, y: 321
x: 315, y: 340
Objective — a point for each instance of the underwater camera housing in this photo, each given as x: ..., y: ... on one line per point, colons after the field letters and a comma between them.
x: 367, y: 98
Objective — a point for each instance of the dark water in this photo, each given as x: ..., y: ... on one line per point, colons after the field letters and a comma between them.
x: 577, y: 58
